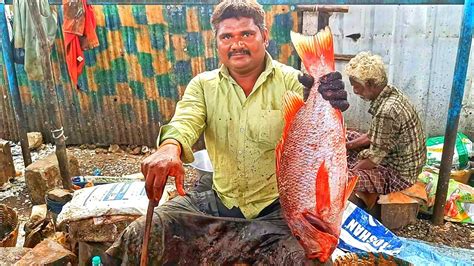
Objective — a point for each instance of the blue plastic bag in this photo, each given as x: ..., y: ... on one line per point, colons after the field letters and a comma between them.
x: 361, y: 232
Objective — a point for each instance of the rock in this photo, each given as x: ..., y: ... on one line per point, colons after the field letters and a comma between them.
x: 60, y: 195
x: 11, y: 255
x: 114, y: 148
x: 35, y: 140
x: 48, y: 252
x: 38, y: 227
x: 91, y: 146
x: 100, y: 150
x: 43, y: 175
x: 7, y: 168
x: 136, y: 150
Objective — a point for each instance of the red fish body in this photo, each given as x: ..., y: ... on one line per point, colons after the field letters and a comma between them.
x: 312, y: 172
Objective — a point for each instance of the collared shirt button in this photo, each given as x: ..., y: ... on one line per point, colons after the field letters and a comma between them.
x: 242, y: 129
x: 240, y: 152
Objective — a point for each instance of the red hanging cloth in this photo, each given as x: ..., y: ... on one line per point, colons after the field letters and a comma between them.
x: 79, y: 34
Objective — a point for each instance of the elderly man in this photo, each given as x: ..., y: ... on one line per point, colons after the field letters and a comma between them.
x: 390, y: 156
x: 233, y: 216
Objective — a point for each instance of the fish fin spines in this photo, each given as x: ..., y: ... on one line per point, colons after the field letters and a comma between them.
x: 292, y: 103
x: 339, y: 116
x: 351, y: 183
x: 323, y: 197
x: 278, y: 151
x: 315, y: 50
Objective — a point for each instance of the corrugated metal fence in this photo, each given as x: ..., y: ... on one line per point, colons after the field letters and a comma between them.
x: 132, y: 81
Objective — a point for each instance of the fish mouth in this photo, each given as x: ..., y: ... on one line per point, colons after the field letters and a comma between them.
x: 317, y: 238
x: 322, y: 248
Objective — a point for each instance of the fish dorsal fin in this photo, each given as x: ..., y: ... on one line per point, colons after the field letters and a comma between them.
x: 292, y: 103
x: 341, y: 119
x: 278, y: 150
x: 340, y: 116
x: 351, y: 183
x: 315, y: 51
x: 323, y: 195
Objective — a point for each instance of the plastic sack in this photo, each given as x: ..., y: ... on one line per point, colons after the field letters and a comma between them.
x: 459, y: 202
x: 423, y: 253
x: 110, y: 199
x: 464, y: 149
x: 362, y: 232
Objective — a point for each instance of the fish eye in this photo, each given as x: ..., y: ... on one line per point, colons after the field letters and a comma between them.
x: 297, y: 237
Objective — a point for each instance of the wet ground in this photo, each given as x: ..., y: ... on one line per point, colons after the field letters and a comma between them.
x: 122, y: 162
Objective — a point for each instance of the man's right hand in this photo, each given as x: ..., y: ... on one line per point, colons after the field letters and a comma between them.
x: 157, y: 167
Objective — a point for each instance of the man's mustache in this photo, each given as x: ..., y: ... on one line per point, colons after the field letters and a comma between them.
x: 247, y: 52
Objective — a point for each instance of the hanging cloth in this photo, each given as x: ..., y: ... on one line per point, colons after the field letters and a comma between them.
x: 25, y: 36
x: 79, y: 35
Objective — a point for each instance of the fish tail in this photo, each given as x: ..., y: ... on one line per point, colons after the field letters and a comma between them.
x: 315, y: 51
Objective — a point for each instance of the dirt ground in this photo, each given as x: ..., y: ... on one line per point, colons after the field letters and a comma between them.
x: 123, y: 162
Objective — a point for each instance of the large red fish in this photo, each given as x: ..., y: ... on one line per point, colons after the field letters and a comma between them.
x: 312, y: 172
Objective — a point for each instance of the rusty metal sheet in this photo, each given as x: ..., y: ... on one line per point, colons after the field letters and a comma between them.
x: 132, y: 81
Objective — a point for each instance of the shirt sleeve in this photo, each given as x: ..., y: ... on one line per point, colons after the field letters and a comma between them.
x: 382, y: 135
x: 291, y: 80
x: 189, y: 120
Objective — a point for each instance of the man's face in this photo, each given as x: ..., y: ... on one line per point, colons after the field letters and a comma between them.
x: 363, y: 91
x: 241, y: 44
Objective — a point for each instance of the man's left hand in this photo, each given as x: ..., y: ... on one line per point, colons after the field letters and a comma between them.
x: 331, y: 88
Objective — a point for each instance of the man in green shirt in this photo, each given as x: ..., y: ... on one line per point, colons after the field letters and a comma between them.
x: 391, y: 155
x: 233, y: 216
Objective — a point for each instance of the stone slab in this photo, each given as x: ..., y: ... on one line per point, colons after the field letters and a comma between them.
x: 43, y: 175
x: 48, y: 252
x: 9, y: 256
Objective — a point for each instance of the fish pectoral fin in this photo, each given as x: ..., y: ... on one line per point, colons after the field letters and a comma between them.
x: 351, y: 183
x: 323, y: 196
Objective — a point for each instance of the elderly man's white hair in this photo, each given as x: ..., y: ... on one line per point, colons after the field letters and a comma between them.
x: 366, y: 66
